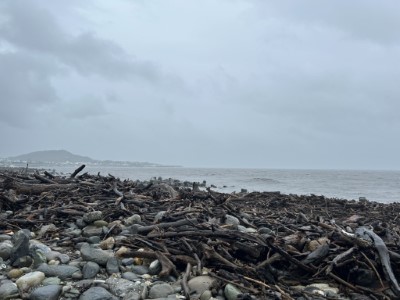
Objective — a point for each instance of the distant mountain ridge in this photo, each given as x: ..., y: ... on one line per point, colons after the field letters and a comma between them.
x: 57, y: 156
x: 63, y: 157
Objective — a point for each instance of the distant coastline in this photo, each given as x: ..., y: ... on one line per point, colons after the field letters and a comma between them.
x: 63, y: 158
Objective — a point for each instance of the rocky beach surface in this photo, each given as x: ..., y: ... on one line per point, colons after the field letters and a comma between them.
x: 92, y: 237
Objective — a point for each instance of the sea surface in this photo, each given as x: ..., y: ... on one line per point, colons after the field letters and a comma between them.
x: 381, y: 186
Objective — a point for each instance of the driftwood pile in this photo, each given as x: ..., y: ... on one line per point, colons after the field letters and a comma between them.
x: 269, y: 245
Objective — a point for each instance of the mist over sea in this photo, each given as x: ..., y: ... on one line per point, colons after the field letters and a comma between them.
x: 381, y: 186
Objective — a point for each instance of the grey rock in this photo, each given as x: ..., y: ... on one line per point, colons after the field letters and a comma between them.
x: 92, y: 216
x: 39, y: 257
x: 199, y: 284
x: 231, y: 220
x: 5, y: 249
x: 80, y: 223
x: 30, y: 280
x: 266, y: 230
x: 92, y: 230
x: 160, y: 290
x: 112, y: 265
x: 159, y: 216
x: 99, y: 256
x: 52, y: 255
x: 134, y: 219
x: 94, y: 239
x: 246, y: 229
x: 122, y: 287
x: 100, y: 223
x: 20, y: 245
x: 24, y: 261
x: 8, y: 289
x: 130, y: 276
x: 155, y: 267
x: 206, y: 295
x: 231, y: 292
x: 48, y: 292
x: 61, y: 271
x: 90, y: 270
x: 46, y: 228
x: 4, y: 237
x: 127, y: 261
x: 51, y: 281
x: 97, y: 293
x: 140, y: 269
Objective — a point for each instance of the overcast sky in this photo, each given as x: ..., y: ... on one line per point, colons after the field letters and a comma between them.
x: 207, y: 83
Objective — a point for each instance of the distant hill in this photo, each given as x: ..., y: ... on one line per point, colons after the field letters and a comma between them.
x: 63, y: 157
x: 57, y: 156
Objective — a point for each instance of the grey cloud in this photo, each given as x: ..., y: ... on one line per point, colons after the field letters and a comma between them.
x: 359, y: 19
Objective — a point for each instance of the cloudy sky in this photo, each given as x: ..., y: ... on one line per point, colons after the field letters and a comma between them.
x: 227, y: 83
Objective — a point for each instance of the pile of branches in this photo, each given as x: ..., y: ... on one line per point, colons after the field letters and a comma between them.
x: 269, y: 245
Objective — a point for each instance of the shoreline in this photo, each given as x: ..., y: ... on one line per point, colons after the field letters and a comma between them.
x: 165, y: 237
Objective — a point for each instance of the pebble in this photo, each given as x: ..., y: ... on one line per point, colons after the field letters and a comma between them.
x: 140, y: 270
x: 8, y: 289
x: 15, y: 273
x: 92, y: 216
x: 90, y: 270
x: 20, y: 245
x: 112, y: 266
x: 231, y: 292
x: 122, y: 287
x: 97, y: 293
x: 155, y: 267
x: 160, y: 290
x: 199, y: 284
x: 100, y: 223
x: 48, y: 292
x: 30, y: 280
x: 134, y: 219
x: 39, y: 257
x: 231, y: 220
x: 130, y: 276
x: 61, y: 271
x: 92, y: 230
x: 51, y: 281
x: 206, y: 295
x: 5, y: 249
x: 107, y: 244
x: 97, y: 255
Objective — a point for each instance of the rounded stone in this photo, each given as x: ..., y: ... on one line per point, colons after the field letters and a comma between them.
x: 92, y: 216
x: 161, y: 290
x: 48, y: 292
x: 5, y: 249
x: 90, y: 270
x: 100, y: 223
x: 97, y: 293
x: 231, y: 292
x: 51, y: 281
x: 30, y: 280
x: 15, y: 273
x: 8, y: 290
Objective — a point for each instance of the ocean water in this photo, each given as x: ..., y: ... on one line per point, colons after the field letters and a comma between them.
x: 381, y: 186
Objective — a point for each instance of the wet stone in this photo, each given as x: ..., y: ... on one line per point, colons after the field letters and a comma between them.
x: 15, y: 273
x: 94, y: 240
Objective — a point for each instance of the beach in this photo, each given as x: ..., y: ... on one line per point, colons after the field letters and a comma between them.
x: 82, y: 236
